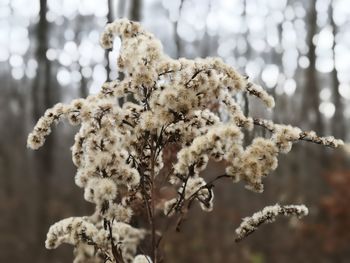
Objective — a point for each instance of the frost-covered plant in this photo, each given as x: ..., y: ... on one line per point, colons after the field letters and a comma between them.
x: 118, y: 150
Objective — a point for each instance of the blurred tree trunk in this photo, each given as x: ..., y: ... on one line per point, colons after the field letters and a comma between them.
x: 311, y: 102
x: 135, y: 10
x: 8, y: 91
x: 42, y: 95
x: 110, y: 19
x: 177, y: 39
x: 178, y: 43
x: 121, y: 8
x: 205, y: 44
x: 41, y: 91
x: 84, y: 92
x: 248, y: 53
x: 311, y: 118
x: 338, y: 125
x: 120, y: 14
x: 83, y: 89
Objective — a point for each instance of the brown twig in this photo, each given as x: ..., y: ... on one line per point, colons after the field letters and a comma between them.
x: 117, y: 254
x: 308, y: 136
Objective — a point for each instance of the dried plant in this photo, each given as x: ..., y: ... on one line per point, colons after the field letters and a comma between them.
x: 118, y: 150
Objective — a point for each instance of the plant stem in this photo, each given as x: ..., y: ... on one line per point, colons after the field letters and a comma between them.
x: 154, y: 246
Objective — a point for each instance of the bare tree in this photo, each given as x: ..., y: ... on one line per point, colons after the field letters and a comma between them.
x: 42, y: 97
x: 110, y: 18
x: 338, y: 125
x: 311, y: 100
x: 135, y: 10
x: 177, y: 39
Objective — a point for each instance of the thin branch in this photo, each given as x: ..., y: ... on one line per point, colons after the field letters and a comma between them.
x: 196, y: 74
x: 308, y: 136
x: 193, y: 197
x: 115, y: 251
x: 268, y: 215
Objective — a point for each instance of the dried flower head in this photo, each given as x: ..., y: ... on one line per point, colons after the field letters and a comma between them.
x: 118, y: 150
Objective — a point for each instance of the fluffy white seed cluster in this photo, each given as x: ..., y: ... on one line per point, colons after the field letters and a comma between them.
x: 285, y: 135
x: 268, y: 215
x: 71, y: 230
x: 91, y: 239
x: 215, y: 143
x: 118, y: 149
x: 42, y: 129
x: 254, y: 163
